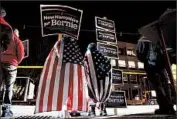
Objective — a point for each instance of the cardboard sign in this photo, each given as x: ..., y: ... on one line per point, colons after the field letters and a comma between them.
x: 106, y: 36
x: 110, y: 51
x: 57, y: 19
x: 117, y: 100
x: 105, y: 24
x: 26, y: 48
x: 117, y: 76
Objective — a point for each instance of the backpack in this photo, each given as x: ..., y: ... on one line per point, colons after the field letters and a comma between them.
x: 142, y: 49
x: 155, y: 56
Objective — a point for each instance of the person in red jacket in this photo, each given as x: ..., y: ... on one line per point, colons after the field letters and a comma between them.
x: 10, y: 57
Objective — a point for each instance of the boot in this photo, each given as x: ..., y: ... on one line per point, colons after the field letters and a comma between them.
x: 168, y: 111
x: 75, y: 114
x: 6, y: 112
x: 103, y: 113
x: 103, y: 110
x: 92, y: 111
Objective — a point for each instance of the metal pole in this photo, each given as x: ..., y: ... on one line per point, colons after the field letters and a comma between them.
x: 0, y: 64
x: 168, y: 64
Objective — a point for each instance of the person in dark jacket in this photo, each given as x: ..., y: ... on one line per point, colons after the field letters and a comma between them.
x: 98, y: 72
x: 11, y: 54
x: 154, y: 64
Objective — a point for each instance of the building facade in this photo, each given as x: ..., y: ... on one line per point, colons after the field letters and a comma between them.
x: 135, y: 84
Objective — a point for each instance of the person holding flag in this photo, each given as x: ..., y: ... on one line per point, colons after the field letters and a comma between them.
x: 99, y: 79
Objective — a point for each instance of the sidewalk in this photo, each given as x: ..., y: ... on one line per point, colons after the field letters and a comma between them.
x: 139, y: 109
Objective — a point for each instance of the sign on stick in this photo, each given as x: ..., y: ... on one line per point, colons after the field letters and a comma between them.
x: 117, y: 100
x: 57, y: 19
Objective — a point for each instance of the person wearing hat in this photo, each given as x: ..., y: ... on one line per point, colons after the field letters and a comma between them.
x: 11, y: 55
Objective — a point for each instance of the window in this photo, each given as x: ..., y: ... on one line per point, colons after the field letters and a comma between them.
x: 131, y: 64
x: 135, y: 94
x: 125, y: 78
x: 114, y: 63
x: 133, y: 79
x: 140, y: 65
x: 131, y: 52
x: 121, y: 51
x: 122, y: 63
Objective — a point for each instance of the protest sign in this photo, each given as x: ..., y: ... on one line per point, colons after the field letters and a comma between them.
x: 110, y: 51
x: 61, y: 19
x: 117, y: 99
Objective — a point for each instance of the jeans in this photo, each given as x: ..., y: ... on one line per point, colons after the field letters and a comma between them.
x: 7, y: 80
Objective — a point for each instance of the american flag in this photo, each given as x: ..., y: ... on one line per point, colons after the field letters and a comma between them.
x: 98, y: 75
x: 62, y: 83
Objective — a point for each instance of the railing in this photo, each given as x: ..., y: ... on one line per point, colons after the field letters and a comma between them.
x: 40, y: 67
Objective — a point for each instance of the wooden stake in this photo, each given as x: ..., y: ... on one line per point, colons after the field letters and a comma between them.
x: 60, y: 36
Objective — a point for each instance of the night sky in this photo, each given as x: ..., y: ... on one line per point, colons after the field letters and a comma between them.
x: 128, y: 17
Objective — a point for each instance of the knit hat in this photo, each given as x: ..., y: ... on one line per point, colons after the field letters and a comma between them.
x: 2, y: 12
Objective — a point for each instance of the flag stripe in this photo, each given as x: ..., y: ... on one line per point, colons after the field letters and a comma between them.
x: 51, y: 89
x: 66, y: 86
x: 61, y: 85
x: 46, y: 93
x: 70, y: 90
x: 101, y: 89
x: 88, y: 76
x: 44, y: 84
x: 76, y: 90
x: 84, y: 98
x: 56, y: 87
x: 93, y: 76
x: 40, y: 87
x: 80, y: 91
x: 58, y: 45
